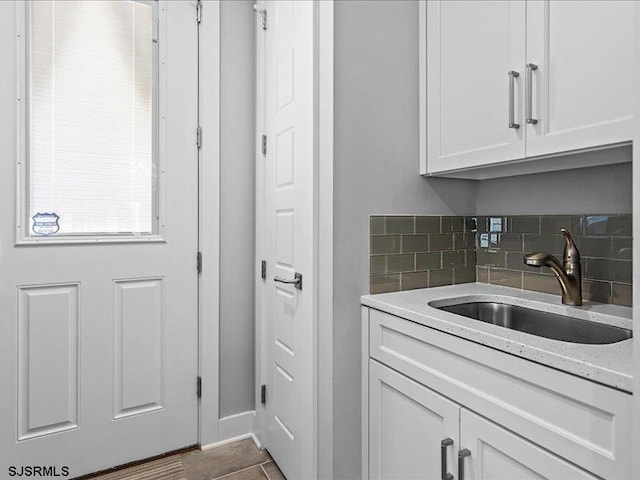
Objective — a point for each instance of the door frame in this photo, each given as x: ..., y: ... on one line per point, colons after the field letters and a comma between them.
x: 323, y: 245
x: 636, y: 248
x: 209, y: 222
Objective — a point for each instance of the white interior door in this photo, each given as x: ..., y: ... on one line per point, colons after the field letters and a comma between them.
x: 288, y: 313
x: 98, y: 202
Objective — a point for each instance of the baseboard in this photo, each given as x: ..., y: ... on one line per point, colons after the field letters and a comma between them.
x: 256, y: 442
x: 233, y: 428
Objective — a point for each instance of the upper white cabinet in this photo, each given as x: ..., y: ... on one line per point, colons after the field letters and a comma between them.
x: 583, y: 86
x: 471, y: 47
x: 505, y: 81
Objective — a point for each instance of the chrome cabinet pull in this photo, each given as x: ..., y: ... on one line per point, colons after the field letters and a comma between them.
x: 529, y: 90
x: 512, y: 79
x: 296, y: 281
x: 443, y: 459
x: 462, y: 454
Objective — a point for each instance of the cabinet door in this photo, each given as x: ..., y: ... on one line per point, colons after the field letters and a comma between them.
x: 583, y: 86
x: 496, y: 453
x: 471, y: 48
x: 407, y: 423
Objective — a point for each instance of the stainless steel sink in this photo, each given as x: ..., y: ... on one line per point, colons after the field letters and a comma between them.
x: 540, y: 323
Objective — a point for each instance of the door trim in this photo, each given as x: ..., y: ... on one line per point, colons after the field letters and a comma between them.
x: 209, y: 222
x: 635, y: 412
x: 324, y: 48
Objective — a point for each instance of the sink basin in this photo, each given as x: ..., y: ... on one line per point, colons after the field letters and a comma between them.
x: 540, y: 323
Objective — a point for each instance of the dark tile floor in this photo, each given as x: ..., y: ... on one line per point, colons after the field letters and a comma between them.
x: 240, y: 460
x: 236, y: 461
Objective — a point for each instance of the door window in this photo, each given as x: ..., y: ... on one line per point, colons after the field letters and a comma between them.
x: 90, y: 119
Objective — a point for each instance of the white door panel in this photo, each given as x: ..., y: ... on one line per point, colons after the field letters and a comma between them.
x: 582, y: 87
x: 289, y: 237
x: 100, y: 339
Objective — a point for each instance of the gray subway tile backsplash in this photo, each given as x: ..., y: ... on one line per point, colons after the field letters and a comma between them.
x: 452, y: 224
x: 539, y: 282
x: 385, y: 244
x: 621, y: 248
x: 376, y: 225
x: 428, y: 261
x: 427, y: 224
x: 399, y: 224
x: 438, y: 278
x: 455, y: 258
x: 621, y: 294
x: 440, y: 241
x: 425, y: 251
x: 598, y: 247
x: 410, y: 252
x: 523, y: 224
x: 415, y: 243
x: 412, y: 280
x: 400, y: 263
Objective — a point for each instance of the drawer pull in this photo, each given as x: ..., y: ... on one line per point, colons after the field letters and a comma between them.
x: 462, y: 454
x: 443, y: 459
x: 512, y: 79
x: 529, y: 89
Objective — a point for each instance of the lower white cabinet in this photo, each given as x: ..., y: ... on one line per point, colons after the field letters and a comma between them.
x: 490, y: 452
x: 440, y: 407
x: 415, y: 433
x: 409, y: 428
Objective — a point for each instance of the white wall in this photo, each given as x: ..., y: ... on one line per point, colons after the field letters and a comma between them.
x: 604, y: 189
x: 237, y: 206
x: 375, y: 171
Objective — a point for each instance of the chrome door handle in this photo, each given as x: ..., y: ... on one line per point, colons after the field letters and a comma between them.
x: 296, y: 281
x: 529, y: 90
x: 512, y: 79
x: 462, y: 454
x: 443, y: 459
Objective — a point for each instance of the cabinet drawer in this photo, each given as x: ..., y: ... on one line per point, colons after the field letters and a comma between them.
x: 582, y: 421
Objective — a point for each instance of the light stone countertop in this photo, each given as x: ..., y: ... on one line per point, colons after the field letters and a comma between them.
x: 606, y: 364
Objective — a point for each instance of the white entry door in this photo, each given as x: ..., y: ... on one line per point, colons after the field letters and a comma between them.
x: 288, y: 166
x: 98, y: 231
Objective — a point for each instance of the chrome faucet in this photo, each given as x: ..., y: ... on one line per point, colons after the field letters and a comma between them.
x: 569, y: 274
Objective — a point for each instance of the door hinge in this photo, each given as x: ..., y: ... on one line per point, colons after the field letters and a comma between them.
x: 263, y: 394
x: 199, y: 11
x: 199, y: 387
x: 199, y: 262
x: 199, y: 136
x: 263, y: 269
x: 264, y: 144
x: 263, y: 14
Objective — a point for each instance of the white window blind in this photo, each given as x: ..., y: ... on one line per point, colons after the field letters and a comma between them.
x: 92, y: 77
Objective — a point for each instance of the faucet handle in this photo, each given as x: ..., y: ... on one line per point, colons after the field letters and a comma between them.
x: 571, y: 253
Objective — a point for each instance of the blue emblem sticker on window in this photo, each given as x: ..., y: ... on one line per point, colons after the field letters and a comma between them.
x: 45, y: 223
